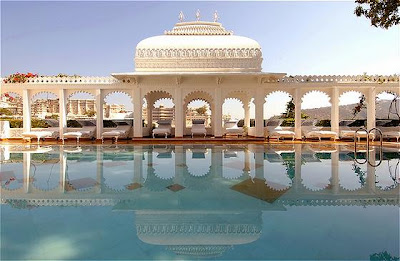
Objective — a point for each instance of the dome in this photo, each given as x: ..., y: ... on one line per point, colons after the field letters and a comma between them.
x: 198, y: 47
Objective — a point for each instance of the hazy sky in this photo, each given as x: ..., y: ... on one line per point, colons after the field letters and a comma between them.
x: 99, y: 38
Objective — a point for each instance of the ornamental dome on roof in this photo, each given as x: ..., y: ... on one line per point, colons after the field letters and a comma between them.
x: 198, y: 47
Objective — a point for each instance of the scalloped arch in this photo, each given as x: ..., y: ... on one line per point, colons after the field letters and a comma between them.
x: 277, y: 92
x: 35, y: 94
x: 155, y: 95
x: 80, y: 92
x: 117, y: 92
x: 198, y: 95
x: 316, y: 92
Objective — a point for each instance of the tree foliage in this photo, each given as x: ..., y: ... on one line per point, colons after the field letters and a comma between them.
x: 381, y: 13
x: 202, y: 110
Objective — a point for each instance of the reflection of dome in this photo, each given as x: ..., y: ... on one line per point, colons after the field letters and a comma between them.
x: 199, y: 251
x: 198, y: 46
x: 198, y: 234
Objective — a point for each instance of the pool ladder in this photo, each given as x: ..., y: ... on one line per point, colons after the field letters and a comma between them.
x: 367, y: 160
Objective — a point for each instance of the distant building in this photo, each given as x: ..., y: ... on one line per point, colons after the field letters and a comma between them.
x: 163, y: 113
x: 45, y: 107
x: 192, y: 114
x: 78, y: 108
x: 13, y: 104
x: 116, y: 111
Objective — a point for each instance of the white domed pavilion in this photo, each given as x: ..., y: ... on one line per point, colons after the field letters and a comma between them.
x: 198, y: 47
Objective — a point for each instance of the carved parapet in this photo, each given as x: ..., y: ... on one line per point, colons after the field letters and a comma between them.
x: 340, y: 79
x: 66, y: 80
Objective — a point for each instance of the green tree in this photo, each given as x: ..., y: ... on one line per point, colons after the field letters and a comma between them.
x: 90, y: 113
x: 202, y: 110
x: 4, y: 111
x: 382, y: 13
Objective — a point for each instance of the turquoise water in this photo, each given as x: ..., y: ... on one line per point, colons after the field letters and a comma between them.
x: 229, y: 202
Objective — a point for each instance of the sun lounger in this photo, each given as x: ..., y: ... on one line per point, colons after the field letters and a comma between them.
x: 85, y: 132
x: 198, y: 128
x: 347, y: 133
x: 164, y: 128
x: 392, y: 134
x: 275, y: 130
x: 311, y: 131
x: 120, y: 132
x: 49, y: 133
x: 231, y: 128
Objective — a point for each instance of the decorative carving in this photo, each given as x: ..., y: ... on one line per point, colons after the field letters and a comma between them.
x: 198, y: 28
x: 219, y: 80
x: 216, y: 16
x: 181, y: 17
x: 178, y: 80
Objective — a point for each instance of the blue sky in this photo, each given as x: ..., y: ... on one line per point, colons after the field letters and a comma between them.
x: 99, y: 38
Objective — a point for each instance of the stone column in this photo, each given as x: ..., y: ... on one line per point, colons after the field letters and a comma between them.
x: 371, y: 108
x: 297, y: 112
x: 217, y: 124
x: 178, y: 113
x: 259, y: 104
x: 137, y: 113
x: 335, y: 110
x: 99, y: 113
x: 62, y: 112
x: 26, y: 104
x: 246, y: 107
x: 149, y: 115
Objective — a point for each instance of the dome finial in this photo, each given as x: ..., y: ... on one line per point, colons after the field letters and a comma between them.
x: 181, y: 17
x: 216, y: 16
x: 198, y: 15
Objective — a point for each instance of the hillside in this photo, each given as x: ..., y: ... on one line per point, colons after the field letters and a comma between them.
x: 346, y: 112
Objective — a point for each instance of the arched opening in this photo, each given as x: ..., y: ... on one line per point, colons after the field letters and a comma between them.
x: 352, y: 111
x: 45, y: 105
x: 118, y: 106
x: 316, y: 106
x: 11, y: 105
x: 81, y: 105
x: 279, y: 106
x: 158, y: 106
x: 45, y: 110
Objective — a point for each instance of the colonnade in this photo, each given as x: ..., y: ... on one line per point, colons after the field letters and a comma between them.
x: 178, y: 91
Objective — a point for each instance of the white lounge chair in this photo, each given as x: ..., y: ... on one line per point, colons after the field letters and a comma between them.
x: 85, y: 132
x: 347, y: 133
x: 120, y: 132
x: 52, y: 132
x: 198, y: 128
x: 275, y: 130
x: 164, y: 128
x: 231, y: 128
x: 311, y: 131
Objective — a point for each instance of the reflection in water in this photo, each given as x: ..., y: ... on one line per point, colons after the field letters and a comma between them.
x: 196, y: 201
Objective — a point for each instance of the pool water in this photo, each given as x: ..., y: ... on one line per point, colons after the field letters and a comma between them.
x: 228, y: 202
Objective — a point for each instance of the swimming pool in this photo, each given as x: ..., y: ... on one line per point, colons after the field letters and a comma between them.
x: 302, y: 201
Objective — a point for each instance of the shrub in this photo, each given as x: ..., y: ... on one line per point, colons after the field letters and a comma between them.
x: 324, y: 123
x: 73, y: 124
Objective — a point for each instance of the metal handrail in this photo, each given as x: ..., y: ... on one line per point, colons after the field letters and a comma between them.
x: 368, y: 146
x: 380, y: 147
